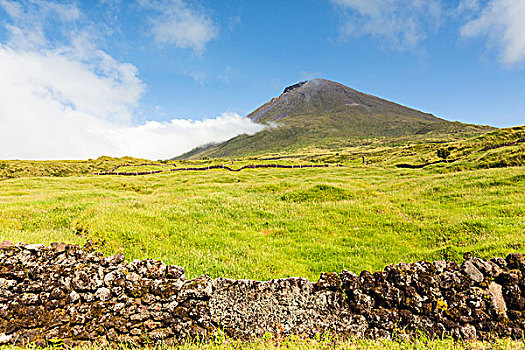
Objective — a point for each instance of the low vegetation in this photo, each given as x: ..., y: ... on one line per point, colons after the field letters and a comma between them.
x: 269, y: 223
x: 29, y: 168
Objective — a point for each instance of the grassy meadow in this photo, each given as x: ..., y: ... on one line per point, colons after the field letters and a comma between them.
x: 270, y: 223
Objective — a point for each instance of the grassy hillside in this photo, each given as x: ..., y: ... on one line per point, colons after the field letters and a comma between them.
x: 496, y: 149
x: 268, y: 223
x: 298, y: 139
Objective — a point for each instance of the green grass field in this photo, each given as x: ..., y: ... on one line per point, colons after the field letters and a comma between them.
x: 270, y: 223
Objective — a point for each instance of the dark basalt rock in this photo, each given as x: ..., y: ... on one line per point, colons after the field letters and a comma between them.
x: 294, y: 86
x: 63, y: 292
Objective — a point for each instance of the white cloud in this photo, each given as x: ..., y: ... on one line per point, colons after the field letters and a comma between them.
x: 225, y: 75
x: 65, y: 12
x: 176, y: 23
x: 199, y: 77
x: 168, y: 139
x: 468, y: 6
x: 12, y: 8
x: 28, y: 17
x: 30, y: 10
x: 502, y: 22
x: 401, y: 23
x: 71, y: 100
x: 56, y: 107
x: 307, y: 75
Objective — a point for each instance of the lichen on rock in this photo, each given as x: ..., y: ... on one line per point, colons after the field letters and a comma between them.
x: 64, y: 292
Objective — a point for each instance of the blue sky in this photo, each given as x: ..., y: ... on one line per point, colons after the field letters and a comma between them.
x: 154, y: 78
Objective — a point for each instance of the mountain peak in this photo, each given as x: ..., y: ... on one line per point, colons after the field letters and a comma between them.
x: 320, y: 112
x: 294, y: 86
x: 313, y: 84
x: 316, y: 96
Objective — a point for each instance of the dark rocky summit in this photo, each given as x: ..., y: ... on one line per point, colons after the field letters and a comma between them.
x: 294, y: 86
x: 65, y: 293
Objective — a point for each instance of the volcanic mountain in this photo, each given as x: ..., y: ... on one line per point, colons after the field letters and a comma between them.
x: 320, y: 112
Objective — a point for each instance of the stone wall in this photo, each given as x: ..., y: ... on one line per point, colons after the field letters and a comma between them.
x: 65, y: 293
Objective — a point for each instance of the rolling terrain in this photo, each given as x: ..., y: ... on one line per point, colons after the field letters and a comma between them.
x: 496, y: 149
x: 275, y: 222
x: 322, y: 113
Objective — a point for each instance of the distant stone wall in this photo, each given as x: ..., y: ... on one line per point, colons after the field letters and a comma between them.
x: 63, y: 293
x: 211, y: 167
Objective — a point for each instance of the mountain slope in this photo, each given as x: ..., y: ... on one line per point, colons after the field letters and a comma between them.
x: 319, y: 112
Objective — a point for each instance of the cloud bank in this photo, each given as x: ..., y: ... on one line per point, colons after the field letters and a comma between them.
x: 71, y: 100
x: 56, y: 107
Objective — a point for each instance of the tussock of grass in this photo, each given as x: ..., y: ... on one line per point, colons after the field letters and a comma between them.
x: 317, y: 193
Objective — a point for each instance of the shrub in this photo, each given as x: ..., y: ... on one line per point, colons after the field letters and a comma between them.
x: 443, y: 153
